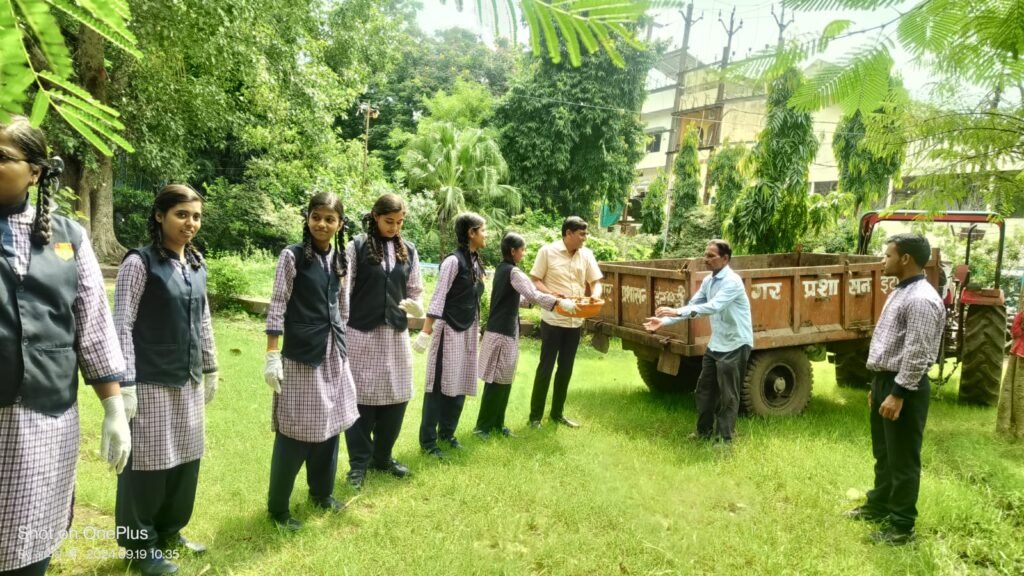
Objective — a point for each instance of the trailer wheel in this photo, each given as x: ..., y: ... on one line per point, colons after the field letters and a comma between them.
x: 852, y: 370
x: 984, y: 342
x: 685, y: 382
x: 778, y: 382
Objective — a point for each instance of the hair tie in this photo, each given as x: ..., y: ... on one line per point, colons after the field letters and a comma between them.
x: 55, y: 166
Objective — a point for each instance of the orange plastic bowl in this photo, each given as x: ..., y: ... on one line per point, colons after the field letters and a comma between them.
x: 591, y: 308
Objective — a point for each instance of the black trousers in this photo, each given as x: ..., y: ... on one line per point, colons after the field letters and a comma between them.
x: 321, y: 460
x: 373, y: 436
x: 35, y: 569
x: 718, y: 391
x: 492, y: 407
x: 897, y: 449
x: 440, y: 416
x: 559, y: 344
x: 154, y: 505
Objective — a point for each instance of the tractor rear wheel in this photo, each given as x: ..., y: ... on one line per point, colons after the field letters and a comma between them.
x: 982, y: 360
x: 777, y: 383
x: 685, y: 382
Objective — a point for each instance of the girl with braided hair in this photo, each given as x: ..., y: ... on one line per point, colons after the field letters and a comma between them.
x: 384, y: 285
x: 454, y: 315
x: 54, y: 321
x: 314, y: 397
x: 162, y: 316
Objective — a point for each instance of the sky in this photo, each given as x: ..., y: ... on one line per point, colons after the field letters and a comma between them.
x: 708, y: 36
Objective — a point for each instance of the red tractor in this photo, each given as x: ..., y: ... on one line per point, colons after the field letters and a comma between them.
x: 975, y: 335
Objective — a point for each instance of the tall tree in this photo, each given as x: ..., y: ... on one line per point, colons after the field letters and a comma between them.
x: 774, y: 213
x: 652, y: 209
x: 726, y: 176
x: 572, y: 136
x: 686, y: 182
x: 865, y: 170
x: 461, y: 169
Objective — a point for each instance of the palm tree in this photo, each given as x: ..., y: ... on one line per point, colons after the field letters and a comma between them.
x: 462, y: 169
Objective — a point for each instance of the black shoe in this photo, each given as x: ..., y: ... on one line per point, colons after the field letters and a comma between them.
x: 394, y: 467
x: 153, y: 563
x: 535, y: 424
x: 180, y: 542
x: 329, y: 504
x: 435, y: 452
x: 864, y: 513
x: 481, y: 434
x: 286, y: 522
x: 355, y: 478
x: 565, y: 422
x: 892, y: 536
x: 507, y: 433
x: 454, y: 443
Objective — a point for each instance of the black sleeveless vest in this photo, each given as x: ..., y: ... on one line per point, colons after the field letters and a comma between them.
x: 462, y: 303
x: 504, y: 316
x: 168, y: 328
x: 312, y: 315
x: 38, y: 352
x: 376, y: 293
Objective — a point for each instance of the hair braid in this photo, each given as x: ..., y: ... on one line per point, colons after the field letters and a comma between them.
x: 307, y: 244
x: 156, y: 235
x: 194, y: 257
x: 49, y: 184
x: 340, y: 257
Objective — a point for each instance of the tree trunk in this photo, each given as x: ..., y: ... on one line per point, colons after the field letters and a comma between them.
x: 97, y: 176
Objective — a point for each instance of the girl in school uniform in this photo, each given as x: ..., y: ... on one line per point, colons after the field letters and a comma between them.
x: 384, y: 285
x: 163, y: 323
x: 454, y: 315
x: 314, y: 397
x: 54, y: 321
x: 499, y: 350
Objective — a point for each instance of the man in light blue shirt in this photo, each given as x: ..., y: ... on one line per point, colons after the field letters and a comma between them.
x: 723, y: 297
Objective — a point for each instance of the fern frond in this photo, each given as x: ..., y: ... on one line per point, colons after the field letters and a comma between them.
x: 572, y: 43
x: 88, y: 108
x: 84, y: 130
x: 859, y: 82
x: 818, y: 5
x: 39, y: 108
x: 77, y: 91
x: 46, y: 31
x: 117, y: 34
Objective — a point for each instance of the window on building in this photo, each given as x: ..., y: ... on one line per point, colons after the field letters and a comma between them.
x: 825, y: 187
x: 654, y: 145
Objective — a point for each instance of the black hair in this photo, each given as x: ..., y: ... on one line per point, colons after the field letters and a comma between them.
x: 572, y: 224
x: 511, y: 241
x: 463, y: 224
x: 169, y: 197
x: 724, y: 249
x: 330, y: 201
x: 388, y: 203
x: 32, y: 143
x: 914, y: 244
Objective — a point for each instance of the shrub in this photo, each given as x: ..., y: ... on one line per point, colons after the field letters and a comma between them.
x: 131, y: 214
x: 226, y: 278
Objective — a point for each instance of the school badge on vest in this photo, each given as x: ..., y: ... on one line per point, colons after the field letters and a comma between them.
x: 64, y: 250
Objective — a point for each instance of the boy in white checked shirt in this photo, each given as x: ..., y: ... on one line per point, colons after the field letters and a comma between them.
x: 903, y: 347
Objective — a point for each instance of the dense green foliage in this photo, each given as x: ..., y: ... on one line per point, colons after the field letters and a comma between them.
x: 774, y: 212
x: 652, y: 209
x: 725, y: 174
x: 572, y: 136
x: 686, y: 183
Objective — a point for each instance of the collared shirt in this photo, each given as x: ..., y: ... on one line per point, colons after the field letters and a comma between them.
x: 908, y: 334
x: 723, y: 297
x: 565, y: 273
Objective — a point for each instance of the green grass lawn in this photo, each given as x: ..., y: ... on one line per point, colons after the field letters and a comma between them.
x: 624, y: 494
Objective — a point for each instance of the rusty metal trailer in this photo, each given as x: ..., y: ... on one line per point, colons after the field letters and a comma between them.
x: 801, y: 304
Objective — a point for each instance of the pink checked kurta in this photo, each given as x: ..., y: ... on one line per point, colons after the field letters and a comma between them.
x: 459, y: 349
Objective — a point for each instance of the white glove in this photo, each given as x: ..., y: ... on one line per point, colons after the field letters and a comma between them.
x: 412, y: 308
x: 209, y: 386
x: 567, y: 304
x: 421, y: 343
x: 273, y: 371
x: 131, y: 402
x: 116, y: 437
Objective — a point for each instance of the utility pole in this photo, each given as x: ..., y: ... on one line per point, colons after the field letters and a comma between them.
x: 730, y: 31
x: 675, y: 130
x: 780, y: 21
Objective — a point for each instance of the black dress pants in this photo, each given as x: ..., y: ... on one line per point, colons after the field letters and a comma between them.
x: 34, y: 569
x: 718, y: 391
x: 154, y: 505
x: 493, y: 406
x: 372, y: 438
x: 897, y: 449
x: 321, y: 460
x: 556, y: 343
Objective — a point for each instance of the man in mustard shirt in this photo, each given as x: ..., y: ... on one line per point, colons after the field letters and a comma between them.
x: 563, y: 268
